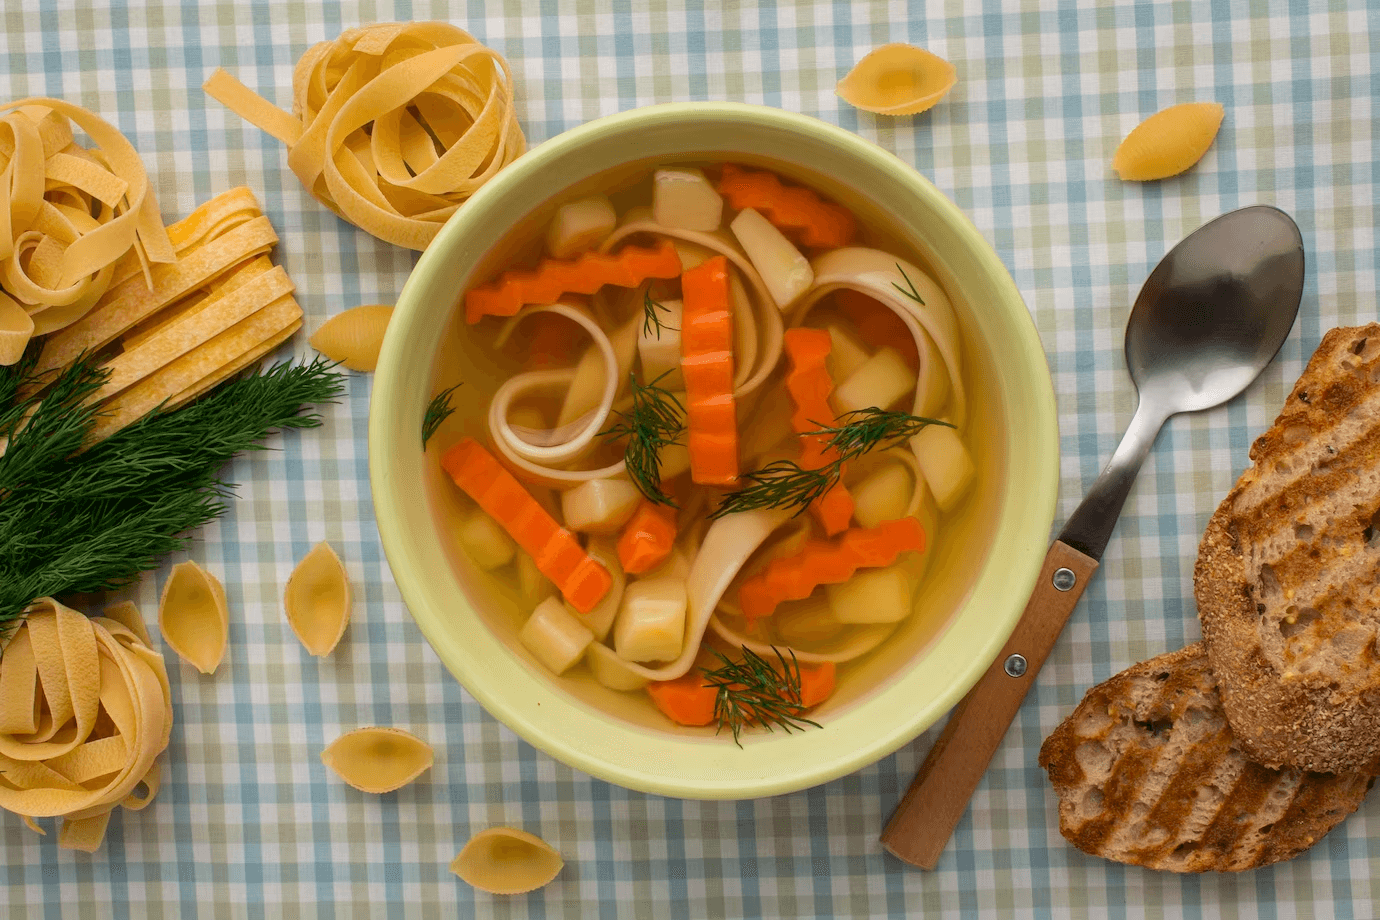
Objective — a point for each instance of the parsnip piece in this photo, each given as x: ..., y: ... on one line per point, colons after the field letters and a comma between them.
x: 880, y: 382
x: 659, y: 347
x: 610, y: 670
x: 691, y: 255
x: 676, y: 565
x: 555, y: 635
x: 600, y: 619
x: 882, y: 496
x: 533, y: 586
x: 580, y: 225
x: 586, y: 388
x: 846, y: 353
x: 485, y: 541
x: 599, y: 505
x: 683, y: 198
x: 945, y: 462
x: 872, y: 596
x: 809, y: 621
x: 786, y: 273
x: 651, y: 622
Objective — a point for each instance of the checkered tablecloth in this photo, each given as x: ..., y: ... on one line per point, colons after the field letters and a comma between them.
x: 249, y: 824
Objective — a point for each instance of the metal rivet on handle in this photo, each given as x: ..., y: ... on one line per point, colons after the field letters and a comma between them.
x: 1015, y: 665
x: 1064, y: 579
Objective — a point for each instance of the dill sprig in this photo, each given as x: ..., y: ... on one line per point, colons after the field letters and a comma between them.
x: 756, y: 692
x: 651, y: 320
x: 39, y: 425
x: 785, y: 484
x: 655, y: 420
x: 94, y: 520
x: 437, y: 411
x: 913, y: 294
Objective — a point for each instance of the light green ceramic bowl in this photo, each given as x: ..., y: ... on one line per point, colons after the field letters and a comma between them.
x: 986, y: 559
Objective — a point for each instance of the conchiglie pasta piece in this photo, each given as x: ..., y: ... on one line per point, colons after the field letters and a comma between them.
x: 505, y: 860
x: 1168, y: 142
x: 354, y: 337
x: 193, y: 616
x: 897, y: 79
x: 317, y: 600
x: 378, y: 760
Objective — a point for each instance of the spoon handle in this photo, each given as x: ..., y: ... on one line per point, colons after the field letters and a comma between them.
x: 937, y: 799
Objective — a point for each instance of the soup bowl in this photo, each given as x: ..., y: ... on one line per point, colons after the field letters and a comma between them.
x: 984, y: 562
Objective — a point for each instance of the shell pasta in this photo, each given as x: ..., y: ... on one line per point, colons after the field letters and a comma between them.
x: 723, y: 449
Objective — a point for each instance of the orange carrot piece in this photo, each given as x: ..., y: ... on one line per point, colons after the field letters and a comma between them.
x: 648, y: 537
x: 822, y: 562
x: 878, y: 324
x: 706, y: 348
x: 809, y: 384
x: 816, y: 683
x: 557, y: 553
x: 793, y: 210
x: 687, y: 700
x: 585, y: 274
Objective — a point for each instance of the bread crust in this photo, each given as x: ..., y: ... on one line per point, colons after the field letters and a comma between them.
x: 1148, y: 773
x: 1287, y: 579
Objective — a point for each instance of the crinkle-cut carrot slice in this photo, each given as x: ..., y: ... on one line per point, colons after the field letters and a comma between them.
x: 809, y: 384
x: 587, y: 273
x: 687, y: 700
x: 792, y: 209
x: 555, y: 550
x: 828, y: 563
x: 897, y: 79
x: 706, y: 342
x: 1168, y: 142
x: 648, y: 537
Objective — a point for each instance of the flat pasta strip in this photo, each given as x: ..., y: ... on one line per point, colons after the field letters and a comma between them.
x: 317, y: 600
x: 354, y: 337
x: 506, y: 860
x: 194, y: 617
x: 378, y: 760
x: 79, y: 665
x: 393, y: 126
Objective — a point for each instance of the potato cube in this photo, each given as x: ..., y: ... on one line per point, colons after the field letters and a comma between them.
x: 651, y: 622
x: 682, y: 197
x: 599, y: 505
x: 883, y: 495
x: 555, y: 635
x: 485, y: 541
x: 580, y: 225
x: 806, y: 622
x: 881, y: 382
x: 872, y: 596
x: 948, y: 469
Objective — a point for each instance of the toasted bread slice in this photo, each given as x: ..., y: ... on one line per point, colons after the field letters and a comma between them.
x: 1147, y: 773
x: 1288, y: 573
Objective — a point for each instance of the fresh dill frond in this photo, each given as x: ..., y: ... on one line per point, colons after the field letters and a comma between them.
x: 94, y: 520
x: 779, y: 484
x: 437, y: 411
x: 864, y: 430
x: 651, y: 320
x: 756, y: 692
x: 41, y: 426
x: 913, y: 294
x: 655, y: 420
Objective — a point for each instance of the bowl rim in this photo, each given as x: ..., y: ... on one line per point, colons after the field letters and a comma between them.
x: 1019, y: 567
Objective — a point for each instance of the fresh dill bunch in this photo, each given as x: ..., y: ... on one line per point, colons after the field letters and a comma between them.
x: 94, y: 520
x: 754, y: 691
x: 46, y: 416
x: 651, y: 320
x: 779, y: 484
x: 913, y: 294
x: 864, y: 430
x: 437, y: 411
x: 655, y: 420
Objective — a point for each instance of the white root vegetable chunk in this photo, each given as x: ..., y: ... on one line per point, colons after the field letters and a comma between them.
x: 881, y: 381
x: 683, y: 198
x: 600, y: 619
x: 610, y: 670
x: 533, y: 586
x: 785, y: 272
x: 659, y: 347
x: 651, y: 622
x: 676, y: 565
x: 807, y: 621
x: 580, y: 225
x: 846, y: 353
x: 555, y: 635
x: 945, y: 462
x: 872, y: 596
x: 882, y: 496
x: 483, y: 540
x: 599, y: 505
x: 675, y: 460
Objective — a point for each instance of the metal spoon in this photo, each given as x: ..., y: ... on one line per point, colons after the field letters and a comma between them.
x: 1208, y: 320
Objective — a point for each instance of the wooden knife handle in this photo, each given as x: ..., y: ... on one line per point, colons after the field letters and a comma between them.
x: 937, y: 799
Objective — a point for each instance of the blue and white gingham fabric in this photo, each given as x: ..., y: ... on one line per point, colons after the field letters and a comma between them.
x: 248, y: 824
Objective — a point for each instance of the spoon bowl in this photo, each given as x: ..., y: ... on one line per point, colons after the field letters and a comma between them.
x: 1210, y: 317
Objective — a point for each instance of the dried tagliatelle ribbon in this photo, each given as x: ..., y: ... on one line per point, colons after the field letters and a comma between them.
x: 85, y: 711
x: 67, y: 216
x: 393, y: 125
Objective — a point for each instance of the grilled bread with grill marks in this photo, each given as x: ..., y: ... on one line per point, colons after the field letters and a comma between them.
x: 1148, y: 774
x: 1288, y: 572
